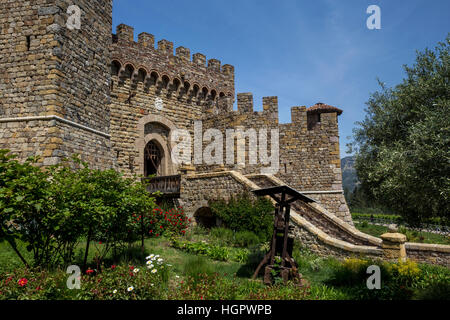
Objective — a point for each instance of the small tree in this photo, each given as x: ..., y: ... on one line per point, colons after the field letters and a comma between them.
x: 403, y: 144
x: 52, y: 210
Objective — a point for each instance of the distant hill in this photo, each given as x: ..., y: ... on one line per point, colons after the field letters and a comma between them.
x: 349, y: 177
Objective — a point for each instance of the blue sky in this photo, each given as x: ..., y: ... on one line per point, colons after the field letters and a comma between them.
x: 301, y: 51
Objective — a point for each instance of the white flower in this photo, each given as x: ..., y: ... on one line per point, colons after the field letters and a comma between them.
x: 115, y: 291
x: 150, y: 257
x: 151, y: 266
x: 130, y: 288
x: 149, y: 262
x: 178, y: 277
x: 152, y: 284
x: 160, y: 260
x: 136, y: 270
x: 157, y: 256
x: 154, y: 271
x: 169, y: 265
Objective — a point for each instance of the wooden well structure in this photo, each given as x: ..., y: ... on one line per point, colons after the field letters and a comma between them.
x: 281, y: 244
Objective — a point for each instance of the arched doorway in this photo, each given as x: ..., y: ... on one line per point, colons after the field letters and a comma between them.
x: 205, y: 217
x: 153, y: 159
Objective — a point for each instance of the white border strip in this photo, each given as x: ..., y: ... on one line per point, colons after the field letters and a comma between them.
x: 53, y: 117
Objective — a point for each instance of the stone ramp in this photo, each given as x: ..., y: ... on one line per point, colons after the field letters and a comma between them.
x: 318, y: 216
x: 315, y: 227
x: 332, y: 201
x: 333, y: 237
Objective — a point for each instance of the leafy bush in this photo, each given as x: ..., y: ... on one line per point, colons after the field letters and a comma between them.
x: 224, y: 235
x: 246, y: 239
x: 401, y: 280
x: 205, y: 286
x: 196, y: 266
x: 246, y: 214
x: 213, y: 251
x: 52, y: 210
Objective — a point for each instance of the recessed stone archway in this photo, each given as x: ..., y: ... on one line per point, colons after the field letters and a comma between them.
x: 164, y: 143
x: 205, y: 217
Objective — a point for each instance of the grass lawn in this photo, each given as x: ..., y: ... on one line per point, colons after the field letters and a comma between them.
x: 413, y: 236
x: 186, y: 265
x: 235, y: 276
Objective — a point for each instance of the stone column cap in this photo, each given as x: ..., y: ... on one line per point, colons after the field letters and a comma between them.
x: 394, y: 237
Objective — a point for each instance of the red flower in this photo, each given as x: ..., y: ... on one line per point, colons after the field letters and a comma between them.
x: 113, y: 266
x: 89, y: 271
x: 22, y: 282
x: 131, y: 268
x: 99, y: 242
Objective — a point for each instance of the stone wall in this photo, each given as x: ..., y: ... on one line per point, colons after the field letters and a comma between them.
x: 52, y: 139
x: 309, y: 156
x: 333, y: 201
x: 198, y: 190
x: 428, y: 253
x: 153, y: 87
x: 54, y: 81
x: 312, y: 242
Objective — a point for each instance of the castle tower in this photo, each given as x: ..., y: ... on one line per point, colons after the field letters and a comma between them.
x: 54, y: 79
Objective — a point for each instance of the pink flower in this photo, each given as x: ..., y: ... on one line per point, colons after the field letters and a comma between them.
x: 22, y: 282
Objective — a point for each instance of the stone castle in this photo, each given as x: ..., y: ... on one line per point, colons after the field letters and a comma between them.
x: 116, y: 102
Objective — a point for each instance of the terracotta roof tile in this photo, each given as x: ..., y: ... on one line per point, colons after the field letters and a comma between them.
x: 320, y: 107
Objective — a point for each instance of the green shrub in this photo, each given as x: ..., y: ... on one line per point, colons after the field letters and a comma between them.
x: 206, y: 286
x: 52, y: 210
x: 222, y: 235
x: 246, y: 239
x: 436, y: 291
x: 246, y: 214
x: 195, y: 266
x: 399, y: 281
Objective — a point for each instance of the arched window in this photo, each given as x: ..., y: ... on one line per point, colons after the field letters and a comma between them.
x: 115, y: 68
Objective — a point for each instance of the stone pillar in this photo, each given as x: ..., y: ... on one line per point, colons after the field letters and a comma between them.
x: 187, y: 170
x: 393, y: 246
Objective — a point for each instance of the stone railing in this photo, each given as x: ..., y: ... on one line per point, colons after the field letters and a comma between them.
x: 167, y: 185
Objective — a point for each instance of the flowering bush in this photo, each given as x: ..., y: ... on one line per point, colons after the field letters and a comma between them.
x: 171, y: 222
x: 399, y: 280
x: 127, y: 282
x: 31, y: 285
x: 124, y: 282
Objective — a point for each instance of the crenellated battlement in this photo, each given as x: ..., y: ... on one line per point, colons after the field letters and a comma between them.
x: 209, y: 74
x: 318, y: 117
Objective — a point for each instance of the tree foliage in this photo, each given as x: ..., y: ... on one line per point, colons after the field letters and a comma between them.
x: 403, y: 157
x: 52, y: 210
